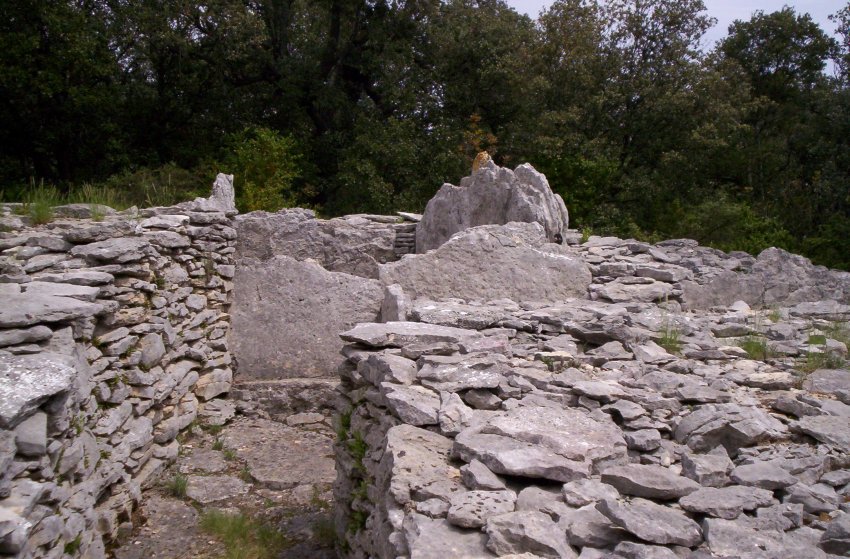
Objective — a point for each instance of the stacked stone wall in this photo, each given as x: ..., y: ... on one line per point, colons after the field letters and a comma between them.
x: 114, y: 333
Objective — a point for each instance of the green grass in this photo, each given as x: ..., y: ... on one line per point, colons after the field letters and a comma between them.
x: 73, y: 546
x: 218, y: 444
x: 38, y: 203
x: 756, y: 347
x: 230, y: 454
x: 242, y: 536
x: 814, y: 360
x: 670, y: 341
x: 324, y: 531
x: 178, y: 485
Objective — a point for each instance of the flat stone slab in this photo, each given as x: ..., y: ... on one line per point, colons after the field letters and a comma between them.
x: 399, y: 334
x: 27, y: 381
x: 473, y: 508
x: 652, y: 522
x: 827, y: 381
x: 209, y: 489
x: 650, y: 481
x: 437, y: 539
x: 829, y: 429
x: 416, y: 462
x: 25, y: 309
x: 282, y: 457
x: 726, y: 502
x: 527, y: 531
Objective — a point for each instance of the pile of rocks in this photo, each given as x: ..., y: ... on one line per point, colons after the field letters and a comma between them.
x: 113, y: 338
x: 567, y: 430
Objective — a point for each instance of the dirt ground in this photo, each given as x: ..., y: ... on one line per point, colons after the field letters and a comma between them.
x: 277, y: 474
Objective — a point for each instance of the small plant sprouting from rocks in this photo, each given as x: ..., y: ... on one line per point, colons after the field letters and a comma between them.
x: 79, y: 423
x: 213, y: 429
x: 775, y: 315
x: 178, y: 485
x: 245, y: 475
x: 243, y: 537
x: 819, y: 355
x: 669, y: 339
x: 586, y: 232
x: 218, y: 444
x: 344, y: 426
x: 229, y: 454
x: 73, y: 546
x: 756, y: 348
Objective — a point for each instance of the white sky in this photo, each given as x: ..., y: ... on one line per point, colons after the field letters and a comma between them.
x: 726, y: 11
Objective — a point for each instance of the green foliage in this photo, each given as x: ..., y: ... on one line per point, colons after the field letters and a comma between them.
x: 756, y: 347
x: 39, y: 202
x: 218, y: 444
x: 230, y: 454
x: 242, y: 536
x: 178, y: 485
x: 670, y: 341
x: 73, y: 546
x: 264, y: 164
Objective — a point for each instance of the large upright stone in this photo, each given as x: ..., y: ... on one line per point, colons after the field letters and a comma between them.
x: 492, y: 195
x: 513, y: 261
x: 350, y: 244
x: 287, y: 316
x: 27, y: 381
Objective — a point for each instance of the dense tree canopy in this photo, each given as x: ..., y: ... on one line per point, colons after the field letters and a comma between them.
x: 370, y: 105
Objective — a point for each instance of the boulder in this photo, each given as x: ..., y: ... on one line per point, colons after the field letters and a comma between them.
x: 492, y: 195
x: 27, y: 381
x: 513, y: 261
x: 287, y: 314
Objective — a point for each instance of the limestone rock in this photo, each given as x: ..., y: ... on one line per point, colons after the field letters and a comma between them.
x: 650, y: 481
x: 492, y: 195
x: 27, y: 309
x: 652, y: 522
x: 726, y: 502
x: 399, y: 334
x: 472, y: 508
x: 437, y: 539
x: 511, y: 261
x: 307, y: 302
x: 27, y: 381
x: 209, y: 489
x: 531, y: 531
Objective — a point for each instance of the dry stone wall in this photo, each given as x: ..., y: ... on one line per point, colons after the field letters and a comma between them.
x: 114, y: 337
x: 565, y: 430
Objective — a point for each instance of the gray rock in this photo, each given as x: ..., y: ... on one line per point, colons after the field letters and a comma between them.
x: 731, y: 425
x: 733, y: 538
x: 587, y: 527
x: 472, y: 508
x: 726, y: 502
x: 222, y: 199
x: 816, y: 499
x: 81, y: 292
x: 349, y: 244
x: 644, y: 440
x: 584, y: 492
x: 559, y: 444
x: 832, y: 430
x: 27, y: 381
x: 24, y: 335
x: 396, y: 306
x: 836, y: 537
x: 14, y: 531
x: 492, y: 195
x: 27, y: 309
x: 622, y: 290
x: 520, y: 265
x: 827, y: 381
x: 386, y: 367
x: 530, y: 531
x: 764, y: 475
x: 209, y: 489
x: 651, y: 481
x: 437, y: 539
x: 414, y: 405
x: 456, y: 373
x: 454, y: 415
x: 152, y: 350
x: 476, y: 475
x: 633, y: 550
x: 416, y: 464
x: 709, y: 470
x: 399, y: 334
x: 651, y: 522
x: 31, y: 435
x: 271, y: 296
x: 121, y: 250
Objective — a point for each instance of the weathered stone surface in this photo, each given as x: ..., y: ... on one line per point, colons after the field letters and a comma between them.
x: 709, y: 470
x: 650, y: 481
x: 726, y: 502
x: 350, y: 244
x: 437, y: 539
x: 414, y: 405
x: 152, y: 350
x: 836, y: 537
x: 31, y: 435
x: 652, y: 522
x: 472, y: 508
x: 730, y: 538
x: 531, y: 531
x: 399, y: 334
x: 558, y: 444
x: 584, y: 492
x: 476, y: 475
x: 492, y: 195
x: 27, y: 381
x: 42, y: 288
x: 27, y: 309
x: 307, y: 302
x: 764, y: 475
x: 731, y: 425
x: 24, y: 335
x: 120, y: 250
x: 209, y: 489
x: 414, y: 460
x: 827, y: 381
x: 520, y: 265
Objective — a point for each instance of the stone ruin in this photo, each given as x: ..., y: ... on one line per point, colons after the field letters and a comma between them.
x: 502, y: 389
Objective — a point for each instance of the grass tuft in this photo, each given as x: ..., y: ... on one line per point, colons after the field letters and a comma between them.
x: 178, y: 485
x: 756, y: 347
x: 242, y: 536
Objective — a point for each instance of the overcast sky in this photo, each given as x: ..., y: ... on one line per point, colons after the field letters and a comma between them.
x: 726, y: 11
